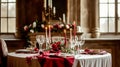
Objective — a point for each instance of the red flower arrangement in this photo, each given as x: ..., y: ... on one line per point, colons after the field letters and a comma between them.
x: 56, y: 47
x: 60, y: 27
x: 37, y: 26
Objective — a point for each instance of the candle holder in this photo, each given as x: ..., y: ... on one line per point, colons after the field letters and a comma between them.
x: 48, y: 14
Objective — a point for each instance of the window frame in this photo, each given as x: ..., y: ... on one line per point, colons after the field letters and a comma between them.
x: 7, y: 18
x: 115, y: 20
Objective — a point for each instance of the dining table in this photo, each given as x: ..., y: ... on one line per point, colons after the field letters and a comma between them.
x: 62, y: 60
x: 19, y: 59
x: 83, y: 60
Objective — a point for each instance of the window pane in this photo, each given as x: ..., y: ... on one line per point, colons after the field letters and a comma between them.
x: 118, y: 10
x: 103, y: 10
x: 11, y: 25
x: 111, y: 10
x: 11, y: 10
x: 111, y: 1
x: 103, y: 1
x: 3, y: 9
x: 118, y: 0
x: 103, y: 25
x: 119, y: 25
x: 111, y: 24
x: 11, y: 0
x: 3, y: 25
x: 3, y: 0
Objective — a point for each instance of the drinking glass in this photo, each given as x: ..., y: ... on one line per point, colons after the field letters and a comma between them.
x: 81, y: 41
x: 40, y: 39
x: 73, y: 44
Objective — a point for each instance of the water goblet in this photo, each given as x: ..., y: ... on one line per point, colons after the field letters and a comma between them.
x: 81, y: 41
x: 73, y: 44
x: 40, y: 39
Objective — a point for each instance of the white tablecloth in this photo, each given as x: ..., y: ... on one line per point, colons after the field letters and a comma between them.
x: 93, y: 60
x: 19, y: 60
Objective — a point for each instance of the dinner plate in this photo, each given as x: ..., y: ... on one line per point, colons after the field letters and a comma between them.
x: 65, y: 55
x: 23, y: 50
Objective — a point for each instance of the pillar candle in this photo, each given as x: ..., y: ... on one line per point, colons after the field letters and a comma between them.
x: 65, y: 37
x: 49, y: 4
x: 46, y: 34
x: 70, y: 33
x: 63, y: 17
x: 45, y: 4
x: 54, y: 10
x: 74, y: 30
x: 50, y: 33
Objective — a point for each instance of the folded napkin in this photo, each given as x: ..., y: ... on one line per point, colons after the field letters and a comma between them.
x: 55, y: 61
x: 47, y: 59
x: 93, y: 52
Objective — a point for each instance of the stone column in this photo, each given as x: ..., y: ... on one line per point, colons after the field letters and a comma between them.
x: 94, y: 18
x: 73, y: 11
x: 70, y: 11
x: 85, y: 16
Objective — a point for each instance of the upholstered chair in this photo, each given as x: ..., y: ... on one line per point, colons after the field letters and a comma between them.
x: 3, y: 53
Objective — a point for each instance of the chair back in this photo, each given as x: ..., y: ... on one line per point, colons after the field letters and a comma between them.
x: 3, y: 48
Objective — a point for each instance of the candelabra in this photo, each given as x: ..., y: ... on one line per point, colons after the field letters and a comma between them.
x: 49, y: 11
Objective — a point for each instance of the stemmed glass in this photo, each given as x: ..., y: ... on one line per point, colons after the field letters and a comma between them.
x: 81, y: 41
x: 48, y: 41
x: 40, y: 39
x: 73, y: 43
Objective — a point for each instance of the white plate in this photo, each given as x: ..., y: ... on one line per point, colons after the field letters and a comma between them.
x: 65, y: 54
x: 23, y: 50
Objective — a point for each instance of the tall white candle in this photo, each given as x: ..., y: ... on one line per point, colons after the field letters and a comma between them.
x: 54, y: 10
x: 46, y: 32
x: 46, y: 36
x: 63, y: 17
x: 45, y: 4
x: 50, y: 33
x: 70, y: 37
x: 74, y: 23
x: 70, y: 33
x: 51, y: 3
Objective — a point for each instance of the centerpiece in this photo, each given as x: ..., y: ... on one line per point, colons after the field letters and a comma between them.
x: 30, y: 31
x: 48, y: 28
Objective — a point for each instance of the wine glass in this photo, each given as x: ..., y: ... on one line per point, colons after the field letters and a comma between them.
x: 73, y: 44
x: 81, y: 41
x: 40, y: 39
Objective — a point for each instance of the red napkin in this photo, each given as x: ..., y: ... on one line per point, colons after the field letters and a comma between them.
x: 58, y: 61
x: 55, y: 60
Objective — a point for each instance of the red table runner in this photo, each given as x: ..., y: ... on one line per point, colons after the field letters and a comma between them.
x: 47, y: 60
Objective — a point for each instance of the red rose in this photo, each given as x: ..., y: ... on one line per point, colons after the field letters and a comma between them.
x: 36, y: 49
x: 25, y: 27
x: 87, y: 50
x: 54, y: 46
x: 57, y: 43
